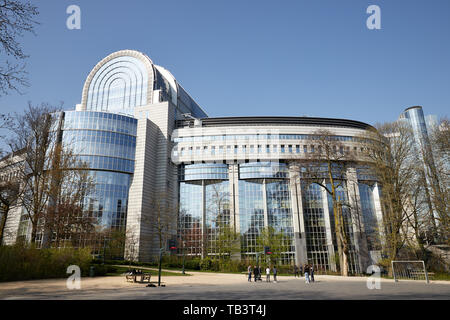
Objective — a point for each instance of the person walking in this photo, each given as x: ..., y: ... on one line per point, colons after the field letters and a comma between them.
x: 295, y: 271
x: 275, y: 274
x: 306, y: 269
x: 301, y: 270
x: 259, y: 273
x: 312, y: 272
x: 267, y: 274
x: 255, y: 273
x: 249, y: 270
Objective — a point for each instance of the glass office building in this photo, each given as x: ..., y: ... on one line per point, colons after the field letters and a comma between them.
x: 259, y: 164
x: 146, y: 141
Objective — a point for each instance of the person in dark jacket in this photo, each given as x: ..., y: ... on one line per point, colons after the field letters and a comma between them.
x: 249, y: 270
x: 275, y: 273
x: 311, y: 271
x: 255, y: 273
x: 306, y: 269
x: 295, y: 271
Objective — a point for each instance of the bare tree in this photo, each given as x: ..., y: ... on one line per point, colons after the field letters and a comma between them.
x: 437, y: 177
x: 130, y: 245
x: 16, y: 19
x: 392, y: 160
x: 54, y: 183
x: 163, y: 221
x: 34, y: 137
x: 327, y: 165
x: 217, y: 220
x: 65, y: 216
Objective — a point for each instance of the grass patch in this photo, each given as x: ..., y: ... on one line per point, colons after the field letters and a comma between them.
x: 440, y: 276
x: 121, y: 270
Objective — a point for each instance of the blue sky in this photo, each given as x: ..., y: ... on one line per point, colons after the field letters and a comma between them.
x: 244, y: 58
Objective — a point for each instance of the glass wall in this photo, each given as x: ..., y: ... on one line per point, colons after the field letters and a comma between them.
x: 315, y: 229
x: 279, y: 214
x: 251, y: 215
x: 370, y: 220
x: 262, y: 170
x: 203, y: 171
x: 349, y: 217
x: 105, y: 143
x: 217, y: 217
x: 204, y: 211
x: 262, y: 204
x: 191, y: 216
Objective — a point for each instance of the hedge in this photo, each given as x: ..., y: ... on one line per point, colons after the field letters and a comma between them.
x: 26, y: 263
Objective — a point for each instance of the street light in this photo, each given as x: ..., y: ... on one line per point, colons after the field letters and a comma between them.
x: 159, y: 269
x: 184, y: 255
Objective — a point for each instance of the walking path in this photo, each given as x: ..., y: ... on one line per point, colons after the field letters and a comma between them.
x: 206, y: 285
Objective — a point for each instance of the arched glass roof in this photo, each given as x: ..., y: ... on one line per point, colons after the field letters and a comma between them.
x: 118, y: 86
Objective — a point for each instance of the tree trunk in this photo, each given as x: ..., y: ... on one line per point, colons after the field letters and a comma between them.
x: 3, y: 222
x: 33, y: 232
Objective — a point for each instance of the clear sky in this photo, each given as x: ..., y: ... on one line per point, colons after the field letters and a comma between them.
x: 255, y: 57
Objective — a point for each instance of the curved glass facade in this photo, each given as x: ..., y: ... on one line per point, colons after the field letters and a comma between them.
x: 106, y: 143
x: 370, y: 220
x: 264, y: 201
x: 118, y: 86
x: 204, y: 171
x: 265, y: 216
x: 262, y: 170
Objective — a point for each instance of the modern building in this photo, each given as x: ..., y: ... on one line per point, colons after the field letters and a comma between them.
x: 147, y: 142
x: 422, y: 126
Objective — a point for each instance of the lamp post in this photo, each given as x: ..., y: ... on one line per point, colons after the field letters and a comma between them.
x: 159, y: 269
x: 104, y: 249
x: 184, y: 255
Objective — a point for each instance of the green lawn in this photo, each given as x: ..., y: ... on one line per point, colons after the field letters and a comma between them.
x: 122, y: 269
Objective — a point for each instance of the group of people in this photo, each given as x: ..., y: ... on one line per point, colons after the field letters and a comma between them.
x: 307, y: 269
x: 256, y: 271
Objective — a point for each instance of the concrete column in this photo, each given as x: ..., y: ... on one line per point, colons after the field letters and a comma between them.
x: 326, y: 216
x: 138, y: 244
x: 266, y: 216
x: 297, y: 215
x: 233, y: 176
x: 204, y: 234
x: 378, y: 212
x: 12, y: 224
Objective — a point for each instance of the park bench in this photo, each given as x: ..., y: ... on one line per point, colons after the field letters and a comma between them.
x: 145, y: 277
x: 132, y: 277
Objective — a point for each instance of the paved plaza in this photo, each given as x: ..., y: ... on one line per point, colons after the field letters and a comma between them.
x: 220, y: 286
